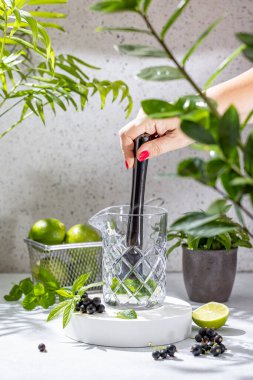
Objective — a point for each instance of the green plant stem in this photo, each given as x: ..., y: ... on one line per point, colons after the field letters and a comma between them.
x: 10, y: 108
x: 179, y: 66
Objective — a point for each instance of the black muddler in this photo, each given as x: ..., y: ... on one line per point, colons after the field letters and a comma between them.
x: 134, y: 235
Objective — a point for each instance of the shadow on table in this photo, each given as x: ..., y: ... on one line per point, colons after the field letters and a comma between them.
x: 14, y: 319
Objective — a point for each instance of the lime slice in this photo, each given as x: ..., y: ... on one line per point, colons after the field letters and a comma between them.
x: 212, y: 314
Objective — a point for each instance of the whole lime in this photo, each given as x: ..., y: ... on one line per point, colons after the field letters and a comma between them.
x: 82, y: 233
x: 48, y: 231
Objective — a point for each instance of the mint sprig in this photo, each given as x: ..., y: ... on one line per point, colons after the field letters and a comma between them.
x: 127, y: 314
x: 40, y: 294
x: 67, y: 307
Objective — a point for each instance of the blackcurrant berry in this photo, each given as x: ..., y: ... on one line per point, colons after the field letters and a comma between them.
x: 90, y: 309
x: 205, y: 348
x: 202, y: 331
x: 96, y: 301
x: 223, y: 348
x: 196, y: 350
x: 100, y: 308
x: 79, y: 304
x: 198, y: 338
x: 163, y: 354
x: 218, y: 339
x: 216, y: 350
x: 86, y: 301
x: 77, y: 308
x: 156, y: 355
x: 210, y: 333
x: 85, y: 295
x: 171, y: 349
x: 42, y: 347
x: 83, y: 308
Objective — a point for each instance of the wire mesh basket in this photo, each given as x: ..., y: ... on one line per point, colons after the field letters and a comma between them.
x: 66, y: 262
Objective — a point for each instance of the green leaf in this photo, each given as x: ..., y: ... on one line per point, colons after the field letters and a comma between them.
x: 229, y: 131
x: 26, y: 285
x: 80, y: 281
x: 248, y: 52
x: 48, y: 14
x: 225, y: 240
x: 15, y: 294
x: 120, y: 29
x: 194, y: 168
x: 57, y: 310
x: 173, y: 247
x: 192, y: 220
x: 146, y: 5
x: 30, y: 301
x: 160, y: 73
x: 233, y: 191
x: 127, y: 314
x: 199, y: 41
x: 155, y: 106
x: 223, y: 65
x: 211, y: 229
x: 173, y: 17
x: 67, y: 314
x: 246, y: 38
x: 111, y: 6
x: 219, y: 206
x: 242, y: 181
x: 247, y: 119
x: 215, y: 168
x: 140, y: 51
x: 248, y: 154
x: 39, y: 289
x: 65, y: 293
x: 197, y: 132
x: 46, y: 300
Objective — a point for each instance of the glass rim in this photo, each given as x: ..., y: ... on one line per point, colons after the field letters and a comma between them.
x: 160, y: 211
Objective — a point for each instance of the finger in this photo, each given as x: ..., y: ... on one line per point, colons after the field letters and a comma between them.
x: 127, y: 148
x: 172, y: 140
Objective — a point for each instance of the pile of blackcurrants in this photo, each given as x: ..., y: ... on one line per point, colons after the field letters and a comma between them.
x: 165, y: 352
x: 90, y: 305
x: 209, y: 342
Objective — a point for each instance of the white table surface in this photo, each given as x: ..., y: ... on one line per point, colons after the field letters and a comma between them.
x: 21, y: 332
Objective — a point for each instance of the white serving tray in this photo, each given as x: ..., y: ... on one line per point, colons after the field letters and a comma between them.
x: 167, y: 324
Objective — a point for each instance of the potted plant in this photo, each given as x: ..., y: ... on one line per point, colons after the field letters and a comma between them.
x: 229, y: 168
x: 209, y: 241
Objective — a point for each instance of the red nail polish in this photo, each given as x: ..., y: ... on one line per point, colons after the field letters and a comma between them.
x: 126, y: 165
x: 144, y: 155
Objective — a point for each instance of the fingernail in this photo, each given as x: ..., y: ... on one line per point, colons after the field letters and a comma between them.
x: 144, y: 155
x: 126, y: 165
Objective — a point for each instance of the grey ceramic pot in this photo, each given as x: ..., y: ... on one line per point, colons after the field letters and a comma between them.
x: 209, y: 275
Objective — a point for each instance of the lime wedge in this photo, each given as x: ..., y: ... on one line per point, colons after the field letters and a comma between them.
x: 212, y: 314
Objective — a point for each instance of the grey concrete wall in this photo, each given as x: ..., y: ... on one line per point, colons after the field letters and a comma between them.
x: 73, y: 167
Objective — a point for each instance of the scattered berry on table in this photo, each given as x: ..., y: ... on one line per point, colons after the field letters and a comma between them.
x: 198, y: 338
x: 206, y: 339
x: 196, y: 350
x: 202, y: 331
x: 222, y: 347
x: 216, y: 350
x: 42, y: 347
x: 210, y: 333
x: 171, y: 349
x: 156, y: 355
x: 218, y: 339
x: 163, y: 354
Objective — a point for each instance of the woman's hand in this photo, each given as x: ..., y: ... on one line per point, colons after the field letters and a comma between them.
x: 169, y: 137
